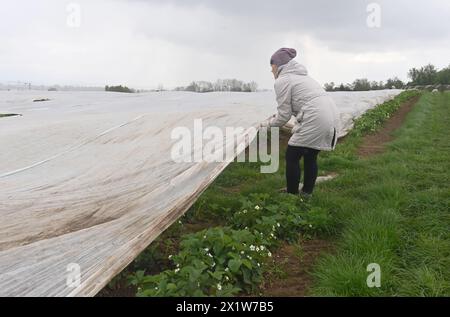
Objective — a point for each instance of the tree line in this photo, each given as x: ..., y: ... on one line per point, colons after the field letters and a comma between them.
x: 230, y: 85
x: 119, y: 88
x: 429, y: 75
x: 423, y: 76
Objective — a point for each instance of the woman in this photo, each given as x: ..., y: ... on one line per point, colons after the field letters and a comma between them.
x: 317, y: 118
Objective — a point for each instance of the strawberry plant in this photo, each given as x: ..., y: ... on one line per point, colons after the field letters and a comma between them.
x: 281, y: 217
x: 216, y: 261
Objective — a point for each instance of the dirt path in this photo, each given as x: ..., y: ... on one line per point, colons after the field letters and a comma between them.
x: 294, y: 263
x: 373, y: 144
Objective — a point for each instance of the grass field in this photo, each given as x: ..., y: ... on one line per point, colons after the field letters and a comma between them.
x: 393, y: 209
x: 390, y: 209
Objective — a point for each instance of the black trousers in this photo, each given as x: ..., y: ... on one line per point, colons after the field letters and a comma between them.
x: 293, y: 170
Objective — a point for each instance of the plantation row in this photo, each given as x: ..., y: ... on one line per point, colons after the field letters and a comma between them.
x: 232, y: 255
x: 224, y: 261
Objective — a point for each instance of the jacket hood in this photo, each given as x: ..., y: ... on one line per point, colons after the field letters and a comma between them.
x: 293, y: 68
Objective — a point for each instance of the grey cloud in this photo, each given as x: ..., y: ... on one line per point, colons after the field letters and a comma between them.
x: 201, y: 39
x: 339, y: 24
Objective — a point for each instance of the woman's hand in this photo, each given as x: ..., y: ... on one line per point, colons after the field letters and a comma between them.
x: 266, y: 123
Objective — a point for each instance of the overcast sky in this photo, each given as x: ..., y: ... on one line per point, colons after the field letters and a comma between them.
x: 143, y: 43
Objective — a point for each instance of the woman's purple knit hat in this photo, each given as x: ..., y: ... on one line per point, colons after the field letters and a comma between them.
x: 283, y: 56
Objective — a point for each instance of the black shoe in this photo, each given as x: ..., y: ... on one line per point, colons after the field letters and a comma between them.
x: 305, y: 196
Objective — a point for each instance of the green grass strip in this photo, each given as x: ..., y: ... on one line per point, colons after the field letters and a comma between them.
x: 393, y: 210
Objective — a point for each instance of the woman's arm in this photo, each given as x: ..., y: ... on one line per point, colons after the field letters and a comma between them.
x: 284, y: 97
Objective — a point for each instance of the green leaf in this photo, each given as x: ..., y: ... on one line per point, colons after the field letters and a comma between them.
x: 234, y: 265
x: 247, y: 263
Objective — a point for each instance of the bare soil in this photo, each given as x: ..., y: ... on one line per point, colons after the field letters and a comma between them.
x: 296, y: 262
x: 374, y: 144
